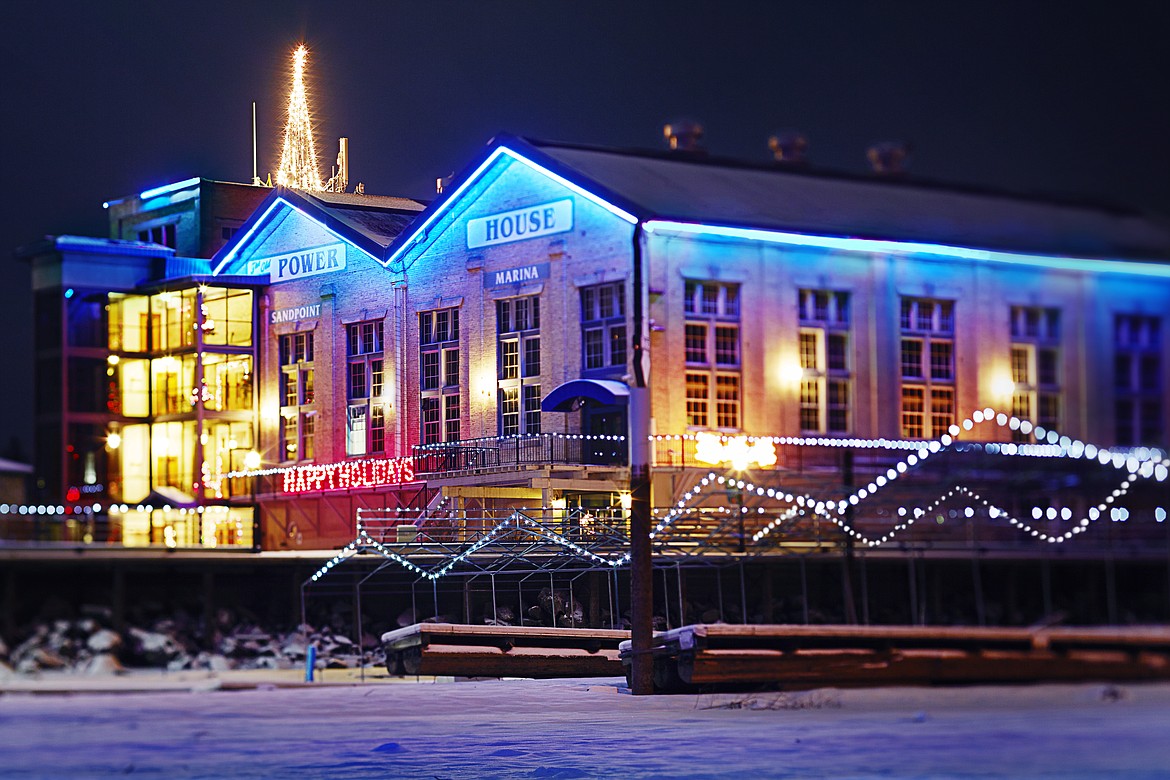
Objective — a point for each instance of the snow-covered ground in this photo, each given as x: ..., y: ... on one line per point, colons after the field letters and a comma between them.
x: 586, y: 728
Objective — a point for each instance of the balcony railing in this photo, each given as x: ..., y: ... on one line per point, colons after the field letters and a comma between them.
x: 541, y: 449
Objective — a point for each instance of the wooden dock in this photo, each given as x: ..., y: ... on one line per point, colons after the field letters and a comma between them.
x: 802, y: 656
x: 503, y: 651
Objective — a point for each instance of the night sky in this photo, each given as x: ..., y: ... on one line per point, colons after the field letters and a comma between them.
x: 104, y: 99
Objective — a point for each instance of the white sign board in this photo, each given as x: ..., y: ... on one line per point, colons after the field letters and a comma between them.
x: 301, y: 263
x: 544, y: 219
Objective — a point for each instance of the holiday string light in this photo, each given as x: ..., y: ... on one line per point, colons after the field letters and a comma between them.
x: 298, y: 158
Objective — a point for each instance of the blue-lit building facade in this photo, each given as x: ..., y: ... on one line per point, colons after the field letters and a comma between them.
x: 560, y: 311
x: 548, y: 284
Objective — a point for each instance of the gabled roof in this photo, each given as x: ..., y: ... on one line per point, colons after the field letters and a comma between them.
x: 698, y: 189
x: 369, y: 222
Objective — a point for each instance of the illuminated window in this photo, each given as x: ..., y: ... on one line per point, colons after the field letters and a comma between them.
x: 1035, y: 365
x: 365, y: 376
x: 698, y: 399
x: 727, y: 400
x: 927, y: 367
x: 439, y: 375
x: 1138, y: 404
x: 518, y: 371
x: 603, y: 328
x: 825, y: 360
x: 712, y: 342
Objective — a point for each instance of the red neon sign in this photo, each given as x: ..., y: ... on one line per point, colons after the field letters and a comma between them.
x: 348, y: 475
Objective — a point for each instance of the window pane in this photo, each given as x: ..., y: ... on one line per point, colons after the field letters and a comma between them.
x: 617, y: 345
x: 509, y: 359
x: 942, y: 360
x: 430, y: 370
x: 727, y: 345
x: 696, y: 343
x: 532, y: 356
x: 594, y: 357
x: 838, y: 352
x: 912, y: 358
x: 697, y: 397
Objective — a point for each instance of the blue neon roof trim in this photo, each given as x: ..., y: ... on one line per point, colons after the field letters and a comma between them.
x: 232, y: 253
x: 420, y: 229
x: 910, y: 247
x: 164, y: 189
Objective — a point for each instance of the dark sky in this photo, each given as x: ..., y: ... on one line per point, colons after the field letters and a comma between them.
x: 104, y: 99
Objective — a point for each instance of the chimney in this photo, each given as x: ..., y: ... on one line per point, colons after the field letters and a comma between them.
x: 789, y: 147
x: 889, y: 158
x: 684, y: 135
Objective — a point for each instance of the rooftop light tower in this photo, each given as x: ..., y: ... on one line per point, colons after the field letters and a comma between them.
x: 298, y: 159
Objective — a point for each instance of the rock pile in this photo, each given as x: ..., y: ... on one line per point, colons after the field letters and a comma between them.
x: 91, y: 645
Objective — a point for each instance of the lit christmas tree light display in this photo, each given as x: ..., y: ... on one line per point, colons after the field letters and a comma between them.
x: 298, y: 158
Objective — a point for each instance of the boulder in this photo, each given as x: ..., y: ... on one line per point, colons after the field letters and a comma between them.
x: 103, y: 663
x: 104, y: 641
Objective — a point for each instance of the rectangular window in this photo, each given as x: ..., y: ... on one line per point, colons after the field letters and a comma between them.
x: 696, y: 336
x: 509, y: 359
x: 431, y: 421
x: 308, y: 434
x: 727, y: 400
x: 355, y: 431
x: 698, y: 395
x: 518, y: 374
x: 532, y: 409
x: 451, y: 367
x: 913, y: 412
x: 510, y: 411
x: 727, y: 345
x: 825, y: 360
x: 1138, y: 406
x: 532, y: 356
x: 377, y: 428
x: 289, y: 437
x: 439, y: 371
x: 594, y: 348
x: 928, y: 362
x: 451, y: 417
x: 603, y: 328
x: 430, y: 370
x: 712, y: 340
x: 1035, y: 365
x: 365, y: 378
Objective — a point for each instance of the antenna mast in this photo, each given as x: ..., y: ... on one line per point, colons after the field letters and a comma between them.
x: 255, y: 173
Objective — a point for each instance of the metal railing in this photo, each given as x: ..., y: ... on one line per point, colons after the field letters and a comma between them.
x: 517, y: 451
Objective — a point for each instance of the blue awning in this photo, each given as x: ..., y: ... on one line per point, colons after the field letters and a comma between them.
x: 607, y: 392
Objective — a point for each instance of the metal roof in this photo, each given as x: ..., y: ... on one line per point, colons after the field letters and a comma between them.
x: 695, y: 188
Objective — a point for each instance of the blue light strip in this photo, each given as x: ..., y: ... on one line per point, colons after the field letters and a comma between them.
x: 246, y: 237
x: 454, y: 196
x: 163, y: 190
x: 909, y: 247
x: 263, y: 217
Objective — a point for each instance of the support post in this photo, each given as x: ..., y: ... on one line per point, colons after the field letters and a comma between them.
x: 641, y: 572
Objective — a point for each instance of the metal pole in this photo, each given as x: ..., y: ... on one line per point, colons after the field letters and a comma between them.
x: 743, y: 594
x: 357, y: 619
x: 804, y: 589
x: 495, y: 618
x: 719, y: 593
x: 665, y: 600
x: 682, y: 613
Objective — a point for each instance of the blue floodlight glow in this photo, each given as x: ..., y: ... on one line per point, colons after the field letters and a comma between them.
x: 69, y: 292
x: 263, y: 218
x: 164, y: 189
x: 910, y: 247
x: 421, y: 230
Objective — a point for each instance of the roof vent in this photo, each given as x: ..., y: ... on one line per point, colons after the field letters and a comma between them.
x: 889, y: 158
x: 685, y: 135
x: 789, y: 147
